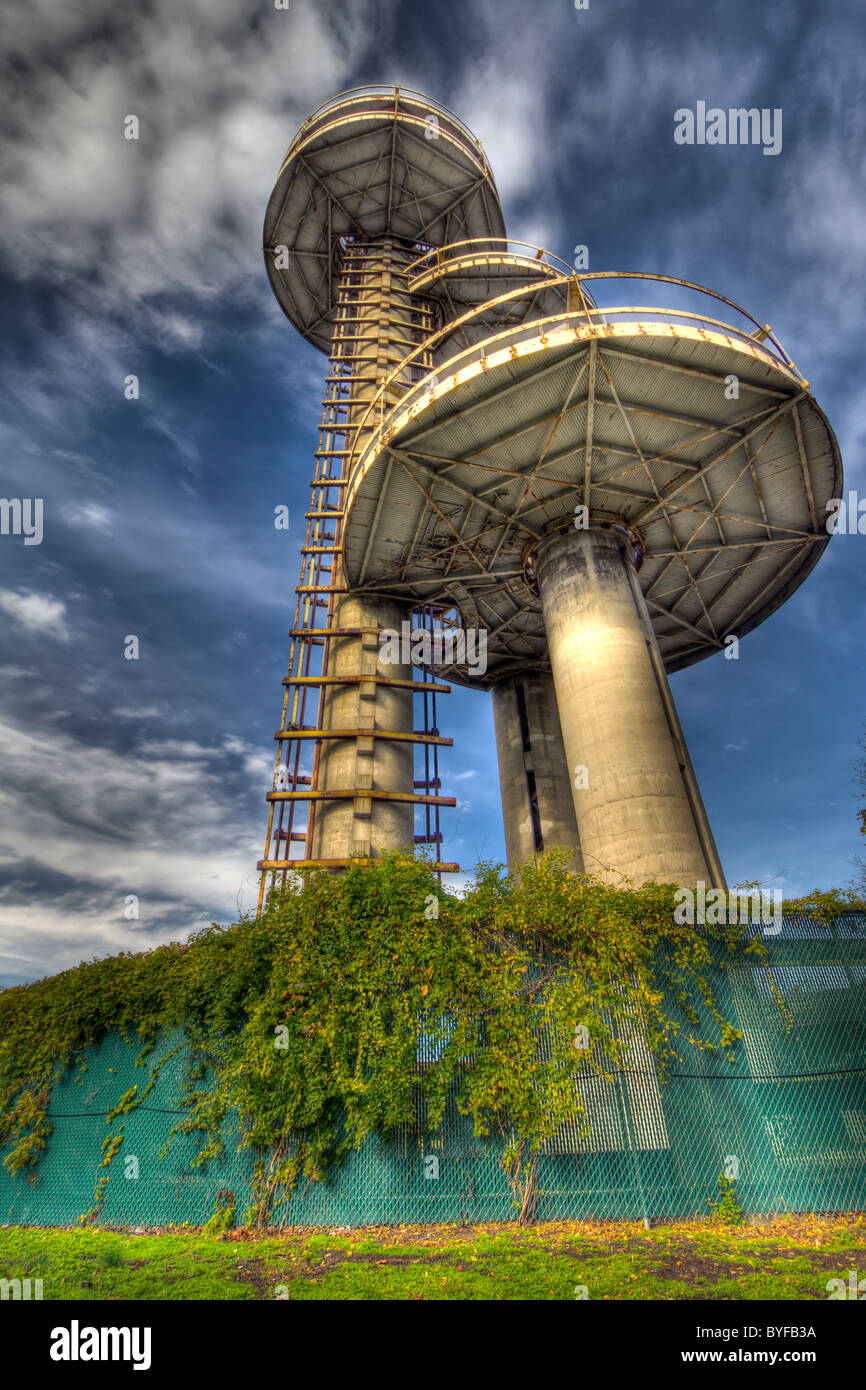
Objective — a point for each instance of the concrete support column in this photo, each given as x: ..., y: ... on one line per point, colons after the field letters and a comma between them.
x: 362, y: 825
x: 639, y: 814
x: 533, y: 775
x: 372, y: 339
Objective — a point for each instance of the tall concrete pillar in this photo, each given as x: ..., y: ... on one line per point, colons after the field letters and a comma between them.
x: 533, y: 774
x: 363, y: 825
x: 638, y: 806
x: 377, y: 323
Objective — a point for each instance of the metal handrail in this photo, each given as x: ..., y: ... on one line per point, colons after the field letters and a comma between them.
x: 762, y: 328
x: 440, y: 254
x: 600, y: 311
x: 594, y: 316
x: 352, y: 94
x: 447, y: 329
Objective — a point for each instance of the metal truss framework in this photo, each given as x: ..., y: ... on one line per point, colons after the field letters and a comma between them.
x: 604, y: 466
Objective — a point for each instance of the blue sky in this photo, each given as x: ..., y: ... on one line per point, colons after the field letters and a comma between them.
x: 144, y: 257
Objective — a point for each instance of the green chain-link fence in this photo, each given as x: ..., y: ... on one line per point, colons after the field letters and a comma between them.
x: 786, y: 1123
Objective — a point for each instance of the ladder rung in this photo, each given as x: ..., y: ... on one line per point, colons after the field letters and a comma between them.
x: 331, y: 631
x: 328, y: 794
x: 321, y: 588
x: 280, y: 865
x: 417, y: 736
x: 379, y: 680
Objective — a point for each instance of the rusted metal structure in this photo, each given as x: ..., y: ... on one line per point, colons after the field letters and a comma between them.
x: 608, y: 491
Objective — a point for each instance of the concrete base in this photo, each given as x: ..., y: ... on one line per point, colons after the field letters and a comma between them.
x: 638, y: 808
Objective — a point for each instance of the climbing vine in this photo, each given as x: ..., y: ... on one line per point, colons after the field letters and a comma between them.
x: 368, y: 1001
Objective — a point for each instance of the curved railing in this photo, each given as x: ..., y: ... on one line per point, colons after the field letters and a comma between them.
x: 351, y: 98
x: 596, y: 316
x: 429, y: 344
x: 763, y: 334
x: 497, y: 250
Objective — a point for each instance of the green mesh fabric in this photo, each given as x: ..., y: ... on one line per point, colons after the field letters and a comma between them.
x: 786, y: 1121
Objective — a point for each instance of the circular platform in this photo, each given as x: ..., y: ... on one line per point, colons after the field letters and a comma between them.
x: 375, y: 161
x: 483, y: 287
x: 699, y: 437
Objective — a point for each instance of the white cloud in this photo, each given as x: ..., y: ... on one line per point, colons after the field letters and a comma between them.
x: 257, y: 763
x: 163, y: 823
x: 36, y: 612
x: 90, y: 514
x: 514, y: 122
x: 149, y: 239
x: 218, y: 101
x: 176, y: 748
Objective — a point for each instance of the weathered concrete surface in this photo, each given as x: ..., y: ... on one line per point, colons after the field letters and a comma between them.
x: 640, y: 815
x: 533, y: 774
x: 361, y: 826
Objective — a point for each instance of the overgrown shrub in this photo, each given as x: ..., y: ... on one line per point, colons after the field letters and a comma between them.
x: 309, y: 1020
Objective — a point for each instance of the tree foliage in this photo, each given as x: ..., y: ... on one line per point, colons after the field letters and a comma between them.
x: 358, y: 1003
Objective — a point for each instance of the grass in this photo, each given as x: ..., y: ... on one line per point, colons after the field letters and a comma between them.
x: 790, y: 1258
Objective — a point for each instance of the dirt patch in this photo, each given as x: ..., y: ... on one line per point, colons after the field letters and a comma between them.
x: 820, y: 1259
x: 688, y: 1268
x: 253, y: 1272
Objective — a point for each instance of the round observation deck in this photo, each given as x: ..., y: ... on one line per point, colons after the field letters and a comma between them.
x: 372, y: 162
x: 484, y: 286
x: 698, y: 436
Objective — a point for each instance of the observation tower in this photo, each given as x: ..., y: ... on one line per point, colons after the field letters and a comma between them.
x: 607, y: 491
